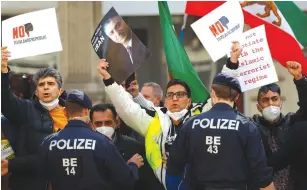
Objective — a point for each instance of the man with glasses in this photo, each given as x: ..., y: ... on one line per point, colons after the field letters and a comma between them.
x: 158, y: 125
x: 273, y: 125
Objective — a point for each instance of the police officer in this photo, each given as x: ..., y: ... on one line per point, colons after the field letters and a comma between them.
x: 79, y: 158
x: 221, y: 148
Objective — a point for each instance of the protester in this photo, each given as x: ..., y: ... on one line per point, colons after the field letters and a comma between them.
x: 160, y: 125
x: 79, y: 158
x: 152, y: 92
x: 22, y: 88
x: 221, y: 147
x: 35, y: 119
x: 105, y: 120
x: 293, y: 152
x: 150, y: 96
x: 273, y: 125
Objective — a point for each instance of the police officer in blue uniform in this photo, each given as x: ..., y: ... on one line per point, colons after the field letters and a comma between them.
x: 220, y: 149
x: 79, y: 158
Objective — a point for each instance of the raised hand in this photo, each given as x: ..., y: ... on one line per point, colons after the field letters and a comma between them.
x: 102, y: 69
x: 235, y: 52
x: 295, y: 69
x: 5, y: 54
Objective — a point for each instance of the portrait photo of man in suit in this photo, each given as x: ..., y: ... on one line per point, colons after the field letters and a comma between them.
x: 120, y: 46
x: 119, y: 32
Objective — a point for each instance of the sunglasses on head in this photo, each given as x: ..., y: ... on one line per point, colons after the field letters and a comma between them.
x: 272, y: 87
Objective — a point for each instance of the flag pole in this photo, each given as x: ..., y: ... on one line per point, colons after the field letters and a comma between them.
x: 185, y: 17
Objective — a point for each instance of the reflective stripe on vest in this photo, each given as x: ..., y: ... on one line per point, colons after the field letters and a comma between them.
x: 153, y: 139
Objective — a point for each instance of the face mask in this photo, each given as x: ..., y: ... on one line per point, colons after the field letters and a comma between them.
x: 51, y: 105
x: 107, y: 131
x: 177, y: 115
x: 271, y: 113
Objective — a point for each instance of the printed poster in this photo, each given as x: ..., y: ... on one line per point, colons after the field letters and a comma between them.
x: 31, y: 34
x: 114, y: 41
x: 216, y: 29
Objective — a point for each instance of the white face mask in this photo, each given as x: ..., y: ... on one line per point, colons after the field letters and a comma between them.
x: 107, y: 131
x: 177, y: 115
x: 51, y: 105
x: 271, y: 113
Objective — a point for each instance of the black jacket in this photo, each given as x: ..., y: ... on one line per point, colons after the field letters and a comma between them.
x: 129, y: 147
x: 294, y: 152
x: 281, y: 128
x: 33, y: 123
x: 220, y: 148
x: 79, y: 158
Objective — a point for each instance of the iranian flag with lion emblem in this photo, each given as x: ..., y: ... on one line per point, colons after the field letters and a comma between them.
x: 285, y: 25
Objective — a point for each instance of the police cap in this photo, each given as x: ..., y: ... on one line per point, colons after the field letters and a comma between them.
x: 80, y: 98
x: 227, y: 80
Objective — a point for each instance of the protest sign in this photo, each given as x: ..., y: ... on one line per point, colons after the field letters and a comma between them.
x: 216, y: 29
x: 31, y: 34
x: 256, y: 65
x: 114, y: 41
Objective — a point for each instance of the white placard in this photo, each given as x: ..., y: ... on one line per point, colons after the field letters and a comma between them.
x: 31, y: 34
x: 256, y: 65
x: 216, y: 29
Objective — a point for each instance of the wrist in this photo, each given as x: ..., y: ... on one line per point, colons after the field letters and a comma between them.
x: 106, y: 77
x: 298, y: 77
x: 233, y: 60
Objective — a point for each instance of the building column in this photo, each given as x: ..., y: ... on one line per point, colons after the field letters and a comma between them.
x: 77, y: 62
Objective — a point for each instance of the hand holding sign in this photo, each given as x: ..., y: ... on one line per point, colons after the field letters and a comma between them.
x: 5, y: 54
x: 235, y: 52
x: 256, y: 65
x: 102, y: 69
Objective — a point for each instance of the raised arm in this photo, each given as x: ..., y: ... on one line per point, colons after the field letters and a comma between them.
x: 300, y: 81
x: 130, y: 112
x: 13, y: 108
x: 232, y: 64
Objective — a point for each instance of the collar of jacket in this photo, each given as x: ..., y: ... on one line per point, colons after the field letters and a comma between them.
x: 77, y: 123
x: 222, y: 106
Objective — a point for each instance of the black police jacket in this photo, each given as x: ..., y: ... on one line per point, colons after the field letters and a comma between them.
x: 79, y: 158
x: 220, y: 148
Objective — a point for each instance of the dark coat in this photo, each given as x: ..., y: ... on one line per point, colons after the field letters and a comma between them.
x: 32, y: 124
x: 121, y: 66
x: 97, y: 163
x: 293, y: 152
x: 129, y: 147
